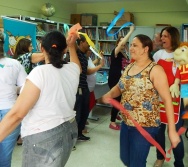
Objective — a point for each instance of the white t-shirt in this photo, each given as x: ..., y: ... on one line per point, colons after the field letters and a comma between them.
x: 162, y: 54
x: 12, y: 75
x: 58, y: 88
x: 91, y: 79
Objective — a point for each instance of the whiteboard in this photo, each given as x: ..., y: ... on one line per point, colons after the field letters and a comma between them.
x: 149, y: 31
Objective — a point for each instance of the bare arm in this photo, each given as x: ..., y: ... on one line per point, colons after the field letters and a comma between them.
x: 114, y: 92
x: 71, y: 42
x: 37, y: 57
x: 26, y: 100
x: 124, y: 40
x: 97, y: 60
x: 95, y: 69
x: 160, y: 82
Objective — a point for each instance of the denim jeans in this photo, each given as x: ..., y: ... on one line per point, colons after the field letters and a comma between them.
x: 134, y: 148
x: 7, y: 145
x: 51, y: 148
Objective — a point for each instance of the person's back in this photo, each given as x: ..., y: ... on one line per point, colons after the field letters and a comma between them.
x: 52, y: 101
x: 12, y: 78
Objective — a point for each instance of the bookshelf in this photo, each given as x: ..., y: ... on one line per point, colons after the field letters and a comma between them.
x: 107, y: 43
x: 44, y: 25
x: 91, y: 31
x: 184, y: 32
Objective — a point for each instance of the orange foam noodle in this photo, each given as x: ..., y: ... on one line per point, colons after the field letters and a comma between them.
x: 75, y: 28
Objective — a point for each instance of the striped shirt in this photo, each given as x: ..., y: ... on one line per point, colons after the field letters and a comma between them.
x: 84, y: 63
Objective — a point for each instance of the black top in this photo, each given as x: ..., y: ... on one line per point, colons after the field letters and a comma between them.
x: 84, y: 64
x: 115, y: 68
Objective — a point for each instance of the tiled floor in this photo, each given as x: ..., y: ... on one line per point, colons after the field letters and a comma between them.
x: 103, y: 149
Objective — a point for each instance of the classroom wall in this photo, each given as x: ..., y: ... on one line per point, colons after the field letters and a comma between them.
x: 33, y: 8
x: 146, y: 12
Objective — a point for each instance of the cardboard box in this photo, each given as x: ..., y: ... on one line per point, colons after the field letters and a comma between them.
x: 75, y: 18
x: 89, y: 20
x: 127, y: 17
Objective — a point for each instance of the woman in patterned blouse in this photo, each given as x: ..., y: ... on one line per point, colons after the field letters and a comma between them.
x: 140, y: 86
x: 23, y: 53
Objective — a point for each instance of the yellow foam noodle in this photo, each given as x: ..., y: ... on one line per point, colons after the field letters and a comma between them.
x: 89, y: 41
x: 91, y: 44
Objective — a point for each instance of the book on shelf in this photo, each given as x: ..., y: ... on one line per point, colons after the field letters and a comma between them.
x: 107, y: 62
x: 64, y: 30
x: 107, y: 47
x: 91, y: 32
x: 49, y: 27
x: 185, y: 34
x: 104, y: 36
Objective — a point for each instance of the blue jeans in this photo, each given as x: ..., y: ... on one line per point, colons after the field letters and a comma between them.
x: 51, y: 148
x: 7, y: 145
x: 134, y: 148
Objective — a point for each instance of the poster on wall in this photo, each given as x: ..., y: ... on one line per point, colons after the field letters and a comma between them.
x: 15, y: 30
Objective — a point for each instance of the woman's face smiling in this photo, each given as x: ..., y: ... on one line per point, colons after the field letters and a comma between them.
x: 136, y: 48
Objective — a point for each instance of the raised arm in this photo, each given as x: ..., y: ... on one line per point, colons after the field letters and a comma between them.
x: 37, y: 57
x: 96, y: 68
x: 124, y: 40
x: 71, y: 42
x: 97, y: 60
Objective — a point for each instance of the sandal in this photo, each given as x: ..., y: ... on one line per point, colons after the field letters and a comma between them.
x: 117, y: 127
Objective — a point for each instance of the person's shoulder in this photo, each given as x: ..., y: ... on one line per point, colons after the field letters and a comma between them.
x: 38, y: 70
x: 157, y: 67
x: 157, y: 55
x: 70, y: 65
x: 12, y: 61
x: 25, y: 55
x: 78, y: 51
x: 159, y: 52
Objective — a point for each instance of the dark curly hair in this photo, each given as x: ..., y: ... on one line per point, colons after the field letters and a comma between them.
x: 54, y: 44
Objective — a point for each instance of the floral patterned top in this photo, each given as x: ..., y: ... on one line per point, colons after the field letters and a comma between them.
x: 140, y: 98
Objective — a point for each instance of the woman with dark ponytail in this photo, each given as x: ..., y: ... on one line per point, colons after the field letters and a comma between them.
x: 49, y: 130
